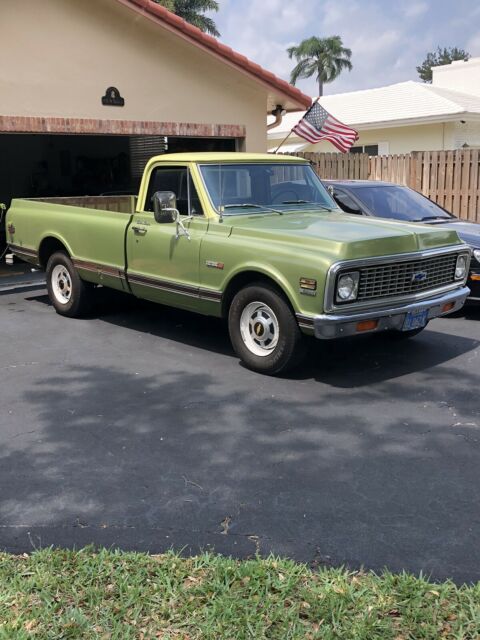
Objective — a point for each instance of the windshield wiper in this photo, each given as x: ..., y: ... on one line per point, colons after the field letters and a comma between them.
x: 317, y: 204
x: 246, y: 205
x: 430, y: 218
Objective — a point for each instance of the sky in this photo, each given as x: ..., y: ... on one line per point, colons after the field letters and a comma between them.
x: 388, y: 39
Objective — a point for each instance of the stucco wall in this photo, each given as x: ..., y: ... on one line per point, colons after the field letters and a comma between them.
x: 459, y: 76
x: 397, y: 140
x: 466, y: 133
x: 57, y: 61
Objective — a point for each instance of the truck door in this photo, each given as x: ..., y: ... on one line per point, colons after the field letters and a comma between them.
x: 160, y: 266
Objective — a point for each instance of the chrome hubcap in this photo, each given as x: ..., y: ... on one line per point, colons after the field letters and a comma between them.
x: 259, y: 328
x: 61, y: 284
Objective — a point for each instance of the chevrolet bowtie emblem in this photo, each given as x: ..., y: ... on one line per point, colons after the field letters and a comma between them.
x: 419, y: 276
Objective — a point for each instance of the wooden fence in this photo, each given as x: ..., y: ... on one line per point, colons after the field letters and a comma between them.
x: 450, y: 178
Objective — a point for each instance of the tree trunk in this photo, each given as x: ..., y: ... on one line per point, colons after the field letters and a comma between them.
x: 320, y: 87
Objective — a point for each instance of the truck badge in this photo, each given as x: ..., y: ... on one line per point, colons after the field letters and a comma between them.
x: 214, y: 265
x: 419, y: 276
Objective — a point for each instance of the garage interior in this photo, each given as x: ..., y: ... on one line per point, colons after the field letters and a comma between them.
x: 44, y: 165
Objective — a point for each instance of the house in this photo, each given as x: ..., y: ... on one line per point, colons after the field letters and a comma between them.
x: 403, y: 117
x: 91, y: 89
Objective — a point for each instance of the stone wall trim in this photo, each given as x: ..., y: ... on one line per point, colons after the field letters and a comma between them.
x: 89, y: 126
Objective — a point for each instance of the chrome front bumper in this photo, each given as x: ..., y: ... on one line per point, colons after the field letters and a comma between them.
x: 329, y: 325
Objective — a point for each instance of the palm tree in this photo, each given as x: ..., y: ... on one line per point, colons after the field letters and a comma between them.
x: 325, y: 58
x: 192, y: 11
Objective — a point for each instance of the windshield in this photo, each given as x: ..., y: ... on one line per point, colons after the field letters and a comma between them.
x: 400, y: 203
x: 264, y: 188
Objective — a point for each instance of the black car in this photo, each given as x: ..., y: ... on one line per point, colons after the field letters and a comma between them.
x: 394, y: 201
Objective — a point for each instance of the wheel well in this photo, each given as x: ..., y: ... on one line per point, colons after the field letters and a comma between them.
x: 48, y: 247
x: 242, y: 280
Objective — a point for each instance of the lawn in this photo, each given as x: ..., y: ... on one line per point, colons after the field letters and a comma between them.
x: 88, y: 594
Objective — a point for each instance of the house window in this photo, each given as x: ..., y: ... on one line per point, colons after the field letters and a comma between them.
x: 371, y: 149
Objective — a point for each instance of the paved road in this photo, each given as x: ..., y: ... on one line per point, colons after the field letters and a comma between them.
x: 139, y: 428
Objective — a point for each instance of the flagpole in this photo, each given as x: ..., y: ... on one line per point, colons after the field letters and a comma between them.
x: 291, y: 130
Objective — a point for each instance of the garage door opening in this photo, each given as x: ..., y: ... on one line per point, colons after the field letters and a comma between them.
x: 42, y: 165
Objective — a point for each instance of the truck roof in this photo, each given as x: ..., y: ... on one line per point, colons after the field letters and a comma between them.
x: 224, y: 156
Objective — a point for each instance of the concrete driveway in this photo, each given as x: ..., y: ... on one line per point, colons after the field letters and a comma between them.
x: 138, y: 428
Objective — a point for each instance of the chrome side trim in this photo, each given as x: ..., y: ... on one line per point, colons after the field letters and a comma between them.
x: 175, y: 287
x: 305, y: 322
x: 23, y: 251
x: 329, y: 298
x: 99, y: 268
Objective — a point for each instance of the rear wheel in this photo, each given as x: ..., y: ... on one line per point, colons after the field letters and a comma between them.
x: 264, y: 331
x: 68, y: 293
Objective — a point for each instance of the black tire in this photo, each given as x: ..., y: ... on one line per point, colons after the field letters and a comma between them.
x: 71, y: 296
x: 398, y: 336
x: 288, y: 349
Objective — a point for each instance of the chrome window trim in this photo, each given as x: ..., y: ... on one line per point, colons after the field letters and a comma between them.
x: 351, y: 265
x: 300, y: 163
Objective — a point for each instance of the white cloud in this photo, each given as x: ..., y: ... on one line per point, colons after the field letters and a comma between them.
x: 415, y: 9
x: 387, y: 40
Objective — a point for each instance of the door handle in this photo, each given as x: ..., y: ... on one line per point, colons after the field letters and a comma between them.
x: 141, y: 231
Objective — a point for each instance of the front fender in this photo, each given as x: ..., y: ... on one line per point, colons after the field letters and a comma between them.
x: 268, y: 271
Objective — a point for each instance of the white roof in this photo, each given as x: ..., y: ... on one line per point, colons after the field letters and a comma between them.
x: 414, y: 102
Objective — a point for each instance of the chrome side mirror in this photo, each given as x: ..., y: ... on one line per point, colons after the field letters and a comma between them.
x: 165, y: 206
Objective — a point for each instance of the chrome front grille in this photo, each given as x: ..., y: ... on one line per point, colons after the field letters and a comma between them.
x: 406, y: 278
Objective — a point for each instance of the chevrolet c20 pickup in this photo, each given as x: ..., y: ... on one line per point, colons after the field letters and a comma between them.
x: 253, y: 238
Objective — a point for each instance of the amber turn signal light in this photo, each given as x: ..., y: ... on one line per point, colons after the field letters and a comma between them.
x: 475, y: 276
x: 367, y: 325
x: 448, y: 307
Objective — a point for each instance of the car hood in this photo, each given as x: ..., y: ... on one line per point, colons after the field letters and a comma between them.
x: 343, y: 235
x: 469, y: 232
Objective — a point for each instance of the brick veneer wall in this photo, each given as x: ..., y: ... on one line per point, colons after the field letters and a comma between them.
x: 22, y: 124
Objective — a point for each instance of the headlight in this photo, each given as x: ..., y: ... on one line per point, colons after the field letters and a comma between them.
x: 476, y: 253
x: 461, y: 267
x: 347, y: 286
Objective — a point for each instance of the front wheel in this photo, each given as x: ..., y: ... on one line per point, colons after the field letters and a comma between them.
x: 264, y: 331
x: 67, y: 292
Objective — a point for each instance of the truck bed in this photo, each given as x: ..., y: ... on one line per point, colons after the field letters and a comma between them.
x: 92, y: 229
x: 119, y: 203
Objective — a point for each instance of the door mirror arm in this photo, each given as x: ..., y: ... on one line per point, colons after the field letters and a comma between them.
x: 181, y: 229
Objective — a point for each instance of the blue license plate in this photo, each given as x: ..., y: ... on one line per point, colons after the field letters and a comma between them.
x: 415, y: 320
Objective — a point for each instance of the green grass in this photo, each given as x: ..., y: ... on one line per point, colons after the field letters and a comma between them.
x: 104, y: 595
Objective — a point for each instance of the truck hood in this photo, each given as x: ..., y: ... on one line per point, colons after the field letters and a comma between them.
x: 343, y: 235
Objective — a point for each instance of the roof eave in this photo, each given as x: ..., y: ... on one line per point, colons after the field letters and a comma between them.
x: 406, y: 122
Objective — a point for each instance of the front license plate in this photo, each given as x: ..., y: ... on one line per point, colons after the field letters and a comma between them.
x: 415, y: 320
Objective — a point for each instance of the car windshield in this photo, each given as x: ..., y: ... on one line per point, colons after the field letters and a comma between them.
x: 400, y: 203
x: 265, y: 188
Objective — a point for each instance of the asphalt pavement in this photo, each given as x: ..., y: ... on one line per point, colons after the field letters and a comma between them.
x: 138, y: 428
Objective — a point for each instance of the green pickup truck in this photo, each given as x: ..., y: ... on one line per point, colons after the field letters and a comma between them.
x: 253, y: 238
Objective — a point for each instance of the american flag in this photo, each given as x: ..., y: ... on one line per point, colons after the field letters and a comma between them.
x: 317, y: 124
